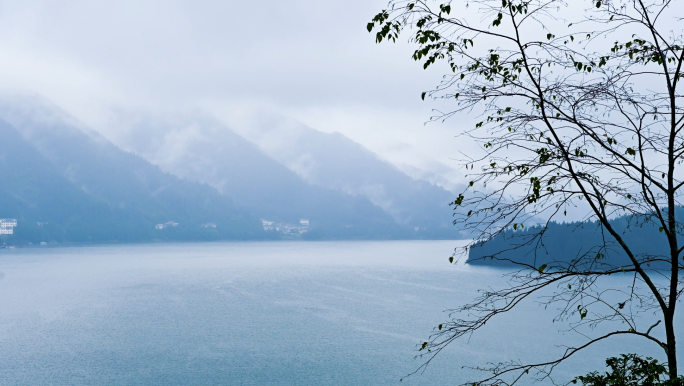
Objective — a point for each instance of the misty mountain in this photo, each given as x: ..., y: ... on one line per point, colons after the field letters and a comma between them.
x: 197, y: 171
x: 34, y: 192
x: 333, y: 161
x: 203, y: 150
x: 81, y: 187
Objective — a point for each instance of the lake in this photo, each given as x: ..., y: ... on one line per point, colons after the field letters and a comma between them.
x: 275, y: 313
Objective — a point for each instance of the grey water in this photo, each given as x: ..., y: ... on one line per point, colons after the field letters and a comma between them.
x: 279, y: 313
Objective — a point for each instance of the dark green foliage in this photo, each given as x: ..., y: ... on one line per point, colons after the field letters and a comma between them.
x: 630, y: 370
x: 581, y: 242
x: 567, y: 124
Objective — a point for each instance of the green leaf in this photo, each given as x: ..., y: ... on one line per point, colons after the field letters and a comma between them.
x: 542, y: 268
x: 451, y: 259
x: 422, y: 96
x: 440, y: 327
x: 497, y: 21
x: 661, y: 229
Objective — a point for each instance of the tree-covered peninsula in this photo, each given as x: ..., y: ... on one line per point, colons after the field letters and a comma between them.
x: 570, y: 243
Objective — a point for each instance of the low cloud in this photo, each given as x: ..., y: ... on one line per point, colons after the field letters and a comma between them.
x: 311, y: 62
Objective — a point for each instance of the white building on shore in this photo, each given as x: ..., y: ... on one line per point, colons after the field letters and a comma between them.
x: 7, y: 226
x: 169, y: 224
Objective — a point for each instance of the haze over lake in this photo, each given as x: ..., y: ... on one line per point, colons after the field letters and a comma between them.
x: 270, y: 313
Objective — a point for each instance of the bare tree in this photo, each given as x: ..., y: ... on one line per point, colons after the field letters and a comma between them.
x: 579, y: 107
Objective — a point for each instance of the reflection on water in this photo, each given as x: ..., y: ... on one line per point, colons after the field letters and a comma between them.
x: 282, y: 313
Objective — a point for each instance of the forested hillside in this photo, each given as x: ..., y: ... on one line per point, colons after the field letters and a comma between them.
x: 565, y: 242
x: 334, y: 161
x: 64, y: 182
x: 64, y: 185
x: 205, y: 151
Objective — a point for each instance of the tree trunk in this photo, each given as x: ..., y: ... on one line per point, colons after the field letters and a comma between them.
x: 671, y: 345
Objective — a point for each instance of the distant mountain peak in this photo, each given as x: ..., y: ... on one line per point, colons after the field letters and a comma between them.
x: 90, y: 189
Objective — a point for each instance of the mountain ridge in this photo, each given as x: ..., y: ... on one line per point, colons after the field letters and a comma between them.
x: 190, y: 172
x: 206, y: 150
x: 130, y: 195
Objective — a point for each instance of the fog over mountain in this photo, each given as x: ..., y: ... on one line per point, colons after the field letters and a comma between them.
x: 205, y: 151
x: 194, y: 170
x: 75, y: 185
x: 95, y: 59
x: 334, y: 161
x: 285, y: 124
x: 287, y: 170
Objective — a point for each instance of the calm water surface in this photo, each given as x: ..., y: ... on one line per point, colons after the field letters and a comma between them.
x: 281, y: 313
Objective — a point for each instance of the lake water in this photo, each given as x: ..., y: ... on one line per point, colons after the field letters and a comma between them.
x: 280, y: 313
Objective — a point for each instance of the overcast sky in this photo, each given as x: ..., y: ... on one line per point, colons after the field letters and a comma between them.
x: 312, y: 61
